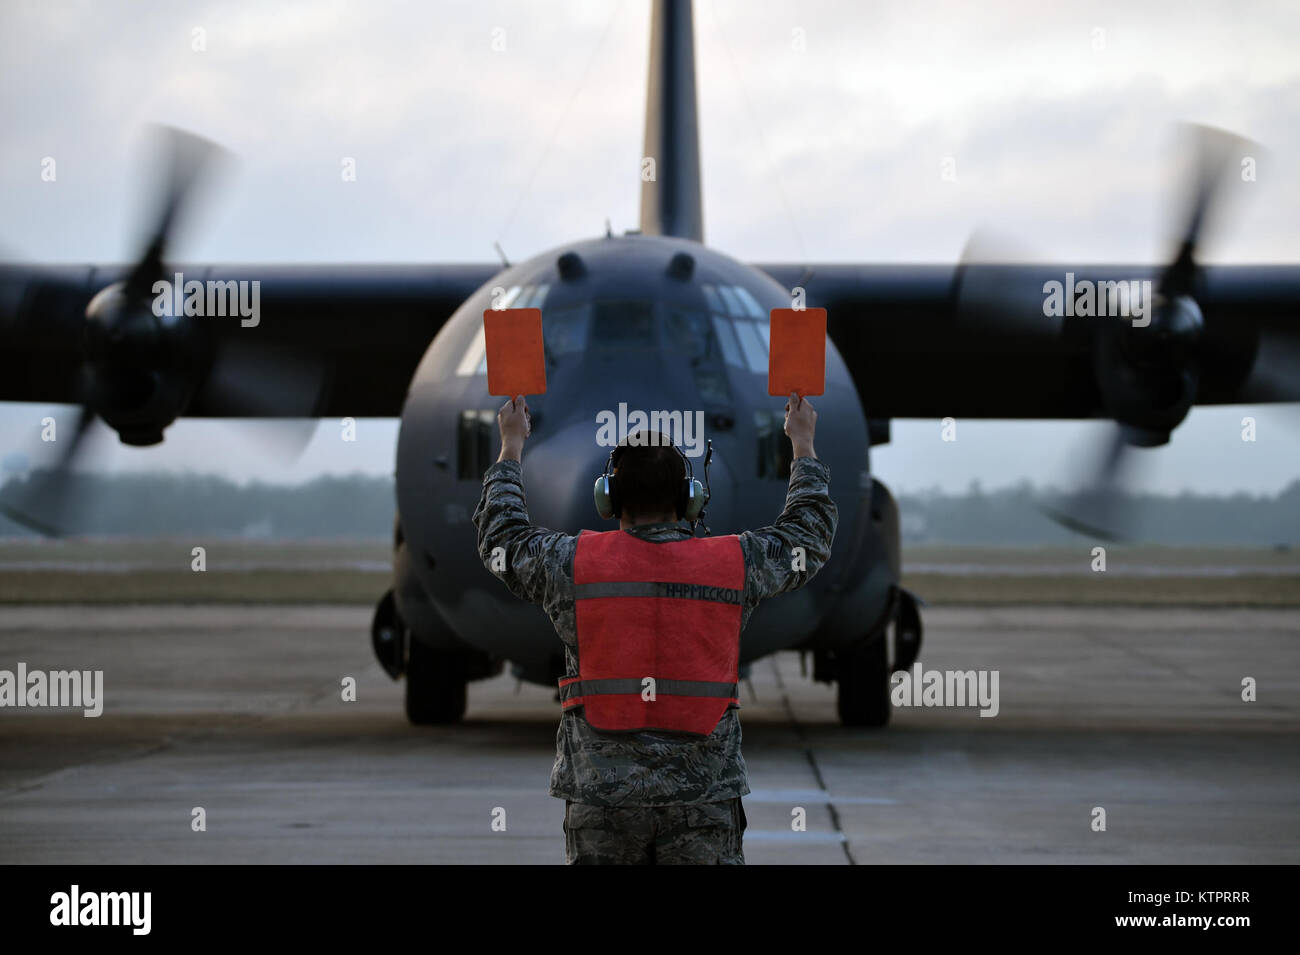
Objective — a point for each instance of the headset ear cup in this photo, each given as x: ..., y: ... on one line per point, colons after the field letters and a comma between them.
x: 604, y: 498
x: 694, y: 500
x: 606, y: 491
x: 688, y: 501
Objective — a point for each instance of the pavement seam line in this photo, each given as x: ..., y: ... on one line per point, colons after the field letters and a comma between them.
x: 812, y: 761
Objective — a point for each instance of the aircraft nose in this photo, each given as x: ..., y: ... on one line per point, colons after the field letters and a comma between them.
x: 560, y: 470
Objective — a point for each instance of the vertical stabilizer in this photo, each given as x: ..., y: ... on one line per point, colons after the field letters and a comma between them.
x: 670, y: 202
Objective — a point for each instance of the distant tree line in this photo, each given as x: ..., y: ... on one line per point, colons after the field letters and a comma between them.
x: 160, y: 505
x: 1019, y: 516
x: 358, y: 506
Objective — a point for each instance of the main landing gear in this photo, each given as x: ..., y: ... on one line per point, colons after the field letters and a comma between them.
x: 436, y: 679
x: 862, y: 672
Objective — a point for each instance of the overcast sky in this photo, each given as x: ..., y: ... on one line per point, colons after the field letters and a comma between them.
x: 823, y: 131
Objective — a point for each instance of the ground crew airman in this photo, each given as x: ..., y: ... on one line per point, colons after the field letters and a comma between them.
x: 648, y: 755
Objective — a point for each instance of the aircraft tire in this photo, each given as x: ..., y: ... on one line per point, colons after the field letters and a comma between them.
x: 435, y: 686
x: 862, y: 696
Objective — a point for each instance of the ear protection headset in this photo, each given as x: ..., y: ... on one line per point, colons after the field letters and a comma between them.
x: 692, y: 496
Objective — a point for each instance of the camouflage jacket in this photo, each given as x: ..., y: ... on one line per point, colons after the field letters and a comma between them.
x: 647, y: 769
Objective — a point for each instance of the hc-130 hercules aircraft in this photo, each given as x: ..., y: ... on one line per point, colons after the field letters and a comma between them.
x: 652, y: 319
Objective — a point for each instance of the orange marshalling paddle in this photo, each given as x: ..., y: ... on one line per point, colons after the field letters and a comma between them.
x: 516, y: 359
x: 797, y: 355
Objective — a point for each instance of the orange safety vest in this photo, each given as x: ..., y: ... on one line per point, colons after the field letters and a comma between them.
x: 669, y: 611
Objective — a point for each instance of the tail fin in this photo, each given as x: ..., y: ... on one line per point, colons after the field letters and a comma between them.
x: 670, y: 188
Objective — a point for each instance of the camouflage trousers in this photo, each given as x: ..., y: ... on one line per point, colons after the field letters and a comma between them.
x: 705, y: 834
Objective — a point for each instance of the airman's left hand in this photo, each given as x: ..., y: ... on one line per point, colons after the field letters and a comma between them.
x: 515, y: 424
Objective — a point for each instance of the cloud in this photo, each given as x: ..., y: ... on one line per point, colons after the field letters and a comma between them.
x: 829, y: 153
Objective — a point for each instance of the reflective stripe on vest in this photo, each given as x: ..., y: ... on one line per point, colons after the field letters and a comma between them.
x: 665, y: 611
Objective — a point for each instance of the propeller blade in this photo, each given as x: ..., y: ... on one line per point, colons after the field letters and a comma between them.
x: 262, y: 381
x: 1095, y: 529
x: 33, y: 522
x: 1148, y: 374
x: 186, y: 157
x: 1212, y: 152
x: 85, y: 417
x: 1275, y: 375
x: 43, y: 502
x: 281, y: 441
x: 997, y: 287
x: 1099, y: 510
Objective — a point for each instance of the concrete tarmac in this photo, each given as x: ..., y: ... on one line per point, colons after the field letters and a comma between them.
x: 238, y: 710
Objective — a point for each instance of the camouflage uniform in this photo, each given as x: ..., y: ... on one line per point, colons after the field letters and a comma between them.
x: 707, y: 834
x: 611, y: 780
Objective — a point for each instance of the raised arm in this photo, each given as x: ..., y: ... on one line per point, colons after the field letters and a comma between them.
x: 531, y: 561
x: 787, y: 554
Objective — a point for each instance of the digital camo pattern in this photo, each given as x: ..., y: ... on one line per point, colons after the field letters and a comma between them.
x: 707, y: 834
x: 648, y: 769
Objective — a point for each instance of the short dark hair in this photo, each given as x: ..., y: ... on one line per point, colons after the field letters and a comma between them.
x: 650, y: 474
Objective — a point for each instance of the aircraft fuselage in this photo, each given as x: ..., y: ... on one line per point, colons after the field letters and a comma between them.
x: 629, y: 329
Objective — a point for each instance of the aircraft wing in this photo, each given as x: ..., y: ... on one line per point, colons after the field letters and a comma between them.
x: 974, y: 341
x: 363, y: 328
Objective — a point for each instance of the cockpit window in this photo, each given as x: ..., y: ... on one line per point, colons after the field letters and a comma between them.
x: 714, y: 299
x: 622, y: 326
x: 474, y: 361
x: 740, y: 325
x: 689, y: 331
x: 751, y: 342
x: 736, y: 332
x: 522, y: 296
x: 565, y: 330
x: 475, y: 357
x: 751, y: 304
x: 732, y: 300
x: 727, y: 340
x: 533, y: 296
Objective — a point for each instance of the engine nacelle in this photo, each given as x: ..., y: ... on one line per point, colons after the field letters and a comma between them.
x: 1148, y: 375
x: 141, y: 367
